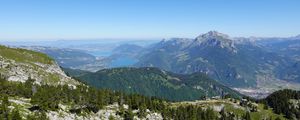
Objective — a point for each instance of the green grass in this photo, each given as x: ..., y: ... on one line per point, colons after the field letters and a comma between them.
x: 229, y: 107
x: 22, y: 55
x: 238, y: 111
x: 51, y: 79
x: 262, y: 113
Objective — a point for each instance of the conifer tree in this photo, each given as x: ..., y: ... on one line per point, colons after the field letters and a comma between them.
x: 129, y: 115
x: 247, y: 116
x: 15, y: 115
x: 4, y: 111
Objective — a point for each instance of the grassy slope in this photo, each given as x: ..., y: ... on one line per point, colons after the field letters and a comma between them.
x: 28, y: 61
x: 26, y: 56
x: 231, y: 106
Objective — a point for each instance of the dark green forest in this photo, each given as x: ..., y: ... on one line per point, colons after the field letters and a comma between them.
x: 47, y: 98
x: 84, y: 100
x: 282, y: 103
x: 155, y: 82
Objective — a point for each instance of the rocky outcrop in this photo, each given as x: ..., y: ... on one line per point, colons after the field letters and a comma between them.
x: 107, y: 113
x: 42, y: 73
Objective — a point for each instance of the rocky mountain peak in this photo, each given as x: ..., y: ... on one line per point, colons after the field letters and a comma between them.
x: 215, y: 39
x: 213, y: 34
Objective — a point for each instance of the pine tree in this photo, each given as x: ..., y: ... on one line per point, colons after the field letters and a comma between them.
x: 121, y: 111
x: 4, y: 111
x: 111, y: 117
x: 247, y: 116
x: 223, y: 114
x: 129, y: 115
x: 15, y: 115
x: 142, y: 111
x: 210, y: 114
x: 43, y: 116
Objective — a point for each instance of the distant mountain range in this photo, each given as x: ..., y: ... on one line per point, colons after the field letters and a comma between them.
x: 235, y: 62
x: 120, y: 56
x: 33, y: 86
x: 66, y: 57
x: 255, y: 63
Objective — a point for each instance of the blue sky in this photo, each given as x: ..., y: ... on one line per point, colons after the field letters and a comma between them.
x: 145, y: 19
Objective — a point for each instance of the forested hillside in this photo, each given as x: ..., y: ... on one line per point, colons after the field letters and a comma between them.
x: 41, y: 102
x: 82, y: 100
x: 285, y: 102
x: 27, y: 91
x: 154, y: 82
x: 234, y: 62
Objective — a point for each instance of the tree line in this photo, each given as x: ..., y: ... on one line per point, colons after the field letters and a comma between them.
x: 84, y: 100
x: 281, y: 102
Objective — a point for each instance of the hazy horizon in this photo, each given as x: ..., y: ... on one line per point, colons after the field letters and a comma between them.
x: 131, y: 39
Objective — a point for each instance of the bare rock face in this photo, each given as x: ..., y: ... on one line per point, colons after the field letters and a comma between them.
x: 215, y: 39
x: 109, y: 112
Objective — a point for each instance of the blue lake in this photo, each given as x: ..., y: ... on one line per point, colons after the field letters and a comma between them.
x: 100, y: 53
x: 123, y: 62
x: 119, y: 62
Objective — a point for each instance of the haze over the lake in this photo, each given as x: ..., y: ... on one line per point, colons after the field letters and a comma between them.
x: 152, y: 19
